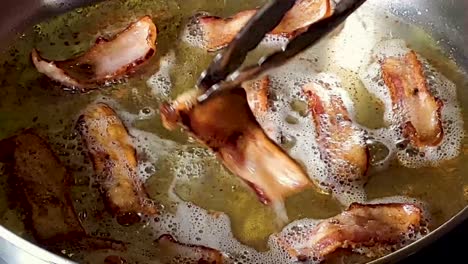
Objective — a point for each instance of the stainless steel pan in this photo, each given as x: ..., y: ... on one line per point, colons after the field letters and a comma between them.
x: 445, y: 20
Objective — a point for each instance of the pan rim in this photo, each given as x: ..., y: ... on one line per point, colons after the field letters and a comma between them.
x: 10, y: 243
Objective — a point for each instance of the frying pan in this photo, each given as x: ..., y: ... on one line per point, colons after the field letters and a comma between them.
x: 443, y: 20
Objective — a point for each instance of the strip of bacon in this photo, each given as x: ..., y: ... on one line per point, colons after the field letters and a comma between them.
x: 114, y: 157
x: 43, y: 186
x: 106, y: 61
x: 258, y: 93
x: 412, y: 99
x: 378, y: 229
x: 258, y: 97
x: 340, y: 141
x: 219, y: 32
x: 175, y: 252
x: 226, y: 124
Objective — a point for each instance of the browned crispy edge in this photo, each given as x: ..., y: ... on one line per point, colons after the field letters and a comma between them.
x: 409, y: 130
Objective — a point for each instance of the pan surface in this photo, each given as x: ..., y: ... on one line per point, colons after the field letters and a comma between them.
x: 435, y: 29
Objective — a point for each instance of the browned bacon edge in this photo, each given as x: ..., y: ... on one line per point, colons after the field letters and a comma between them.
x: 258, y: 93
x: 412, y: 98
x: 199, y: 254
x: 42, y: 185
x: 115, y: 162
x: 219, y: 32
x: 340, y: 141
x: 377, y: 228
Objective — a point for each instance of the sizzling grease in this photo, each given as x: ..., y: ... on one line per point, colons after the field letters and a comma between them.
x: 172, y: 160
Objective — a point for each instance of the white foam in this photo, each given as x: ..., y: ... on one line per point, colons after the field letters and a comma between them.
x: 390, y: 48
x: 160, y: 82
x: 441, y: 88
x: 193, y: 225
x: 193, y: 34
x: 273, y: 42
x: 150, y: 145
x: 351, y: 47
x: 191, y: 163
x: 145, y: 170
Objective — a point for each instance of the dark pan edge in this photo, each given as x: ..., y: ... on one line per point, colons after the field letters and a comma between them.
x: 426, y: 241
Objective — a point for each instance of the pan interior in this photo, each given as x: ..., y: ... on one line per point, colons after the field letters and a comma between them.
x: 180, y: 171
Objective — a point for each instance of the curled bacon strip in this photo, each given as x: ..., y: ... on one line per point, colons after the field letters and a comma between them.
x: 219, y: 32
x: 115, y: 162
x: 106, y: 61
x: 410, y: 95
x: 44, y: 185
x: 340, y: 141
x: 377, y: 228
x: 175, y: 252
x: 226, y: 124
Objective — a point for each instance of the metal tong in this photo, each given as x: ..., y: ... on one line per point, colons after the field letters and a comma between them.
x: 224, y: 73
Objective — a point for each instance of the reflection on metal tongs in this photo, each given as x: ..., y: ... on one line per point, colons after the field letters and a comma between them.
x: 224, y: 72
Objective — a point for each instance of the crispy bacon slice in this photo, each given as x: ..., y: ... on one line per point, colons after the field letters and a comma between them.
x: 410, y: 96
x: 374, y: 229
x: 114, y: 157
x: 340, y: 141
x: 258, y: 97
x: 219, y: 32
x: 43, y: 186
x: 226, y: 124
x: 44, y: 179
x: 258, y: 93
x: 175, y: 252
x: 106, y: 61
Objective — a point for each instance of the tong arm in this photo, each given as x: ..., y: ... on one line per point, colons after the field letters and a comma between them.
x: 300, y: 43
x: 264, y: 21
